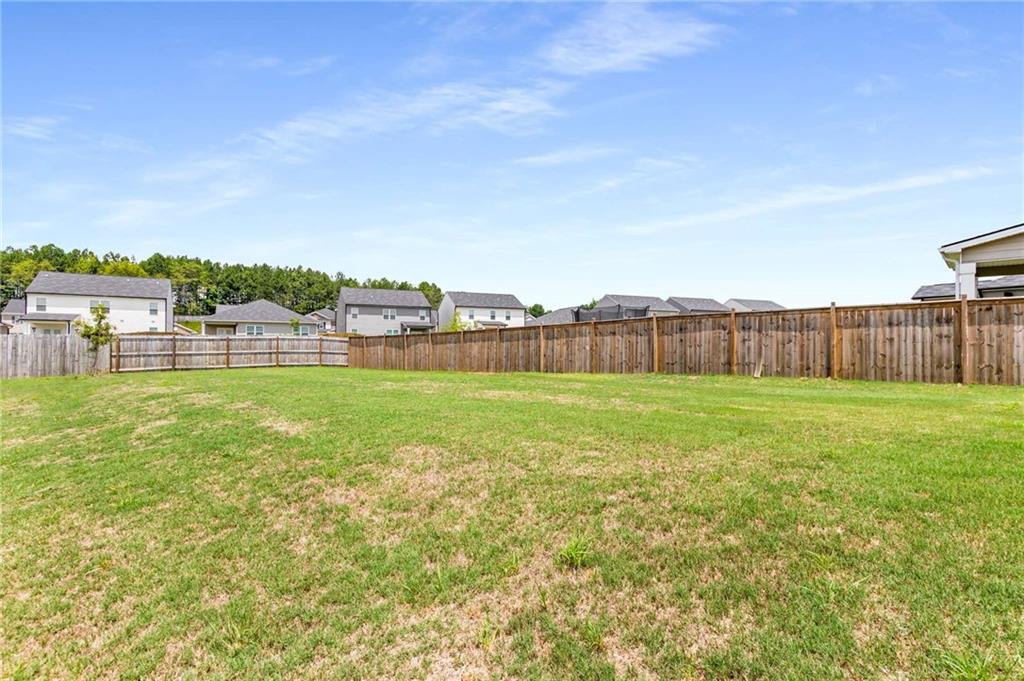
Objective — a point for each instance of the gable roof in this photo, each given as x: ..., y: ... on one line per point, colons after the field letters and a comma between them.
x: 467, y: 298
x: 99, y: 285
x: 756, y: 305
x: 256, y: 311
x: 994, y: 235
x: 563, y: 315
x: 381, y: 296
x: 685, y: 304
x: 948, y: 290
x: 14, y: 306
x: 653, y: 302
x: 325, y: 312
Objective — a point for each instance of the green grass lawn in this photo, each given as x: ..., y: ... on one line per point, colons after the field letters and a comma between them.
x: 356, y: 524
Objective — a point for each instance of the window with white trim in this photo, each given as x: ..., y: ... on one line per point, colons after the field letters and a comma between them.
x: 40, y: 304
x: 508, y: 315
x: 472, y: 314
x: 153, y: 328
x: 493, y: 315
x: 303, y: 330
x: 154, y: 308
x: 354, y: 312
x: 95, y: 305
x: 424, y: 314
x: 392, y: 332
x: 253, y: 329
x: 389, y: 313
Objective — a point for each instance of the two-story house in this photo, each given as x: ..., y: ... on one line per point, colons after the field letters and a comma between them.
x: 54, y: 300
x: 481, y: 310
x: 383, y: 312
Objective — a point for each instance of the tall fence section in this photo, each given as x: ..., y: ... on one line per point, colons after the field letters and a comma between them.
x: 23, y: 355
x: 968, y: 341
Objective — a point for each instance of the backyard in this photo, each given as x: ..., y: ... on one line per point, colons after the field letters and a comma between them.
x: 325, y: 522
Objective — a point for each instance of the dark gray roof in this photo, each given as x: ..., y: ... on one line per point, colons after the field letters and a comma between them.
x: 978, y: 236
x: 929, y: 291
x: 52, y: 316
x: 757, y: 305
x: 564, y: 315
x: 222, y: 307
x: 381, y: 296
x: 324, y: 312
x: 14, y: 306
x: 685, y: 304
x: 503, y: 300
x: 257, y: 311
x: 653, y: 302
x: 100, y: 285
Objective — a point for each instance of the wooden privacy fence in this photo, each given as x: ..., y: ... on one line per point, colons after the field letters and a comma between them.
x: 977, y: 341
x: 171, y: 353
x: 23, y: 355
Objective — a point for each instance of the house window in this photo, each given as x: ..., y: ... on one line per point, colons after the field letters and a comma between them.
x: 253, y: 329
x: 40, y: 304
x: 472, y: 314
x: 391, y: 332
x: 96, y: 304
x: 423, y: 315
x: 153, y: 328
x: 389, y: 313
x: 154, y: 308
x: 303, y: 330
x: 493, y: 316
x: 354, y: 331
x: 354, y: 311
x: 508, y: 315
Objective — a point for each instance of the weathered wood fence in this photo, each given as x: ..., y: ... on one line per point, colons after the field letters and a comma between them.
x: 171, y: 353
x: 977, y: 341
x: 23, y: 355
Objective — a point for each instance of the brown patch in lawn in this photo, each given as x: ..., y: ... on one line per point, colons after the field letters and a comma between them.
x: 283, y: 426
x: 149, y: 426
x: 12, y: 408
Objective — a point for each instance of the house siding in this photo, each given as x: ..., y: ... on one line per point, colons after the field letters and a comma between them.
x: 371, y: 320
x: 126, y: 315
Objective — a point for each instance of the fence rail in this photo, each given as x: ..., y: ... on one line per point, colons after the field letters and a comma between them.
x: 976, y: 341
x: 173, y: 353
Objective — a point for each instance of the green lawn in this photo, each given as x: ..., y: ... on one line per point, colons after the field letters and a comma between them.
x: 349, y: 523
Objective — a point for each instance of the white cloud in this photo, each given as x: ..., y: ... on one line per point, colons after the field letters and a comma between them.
x: 304, y: 67
x: 31, y: 127
x: 133, y: 212
x: 876, y: 85
x: 815, y: 195
x: 626, y: 37
x: 251, y: 62
x: 569, y: 155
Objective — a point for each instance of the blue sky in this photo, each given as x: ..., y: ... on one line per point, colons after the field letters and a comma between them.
x: 801, y: 152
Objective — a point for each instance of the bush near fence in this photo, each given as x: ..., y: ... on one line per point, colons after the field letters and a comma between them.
x: 976, y: 341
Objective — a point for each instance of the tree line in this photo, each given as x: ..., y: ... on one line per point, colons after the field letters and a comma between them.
x: 200, y: 285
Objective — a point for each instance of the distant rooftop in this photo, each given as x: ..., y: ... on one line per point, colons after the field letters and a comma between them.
x: 470, y: 299
x: 99, y: 285
x: 381, y: 296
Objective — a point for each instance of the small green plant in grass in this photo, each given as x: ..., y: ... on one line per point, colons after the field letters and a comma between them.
x: 576, y: 554
x: 968, y: 666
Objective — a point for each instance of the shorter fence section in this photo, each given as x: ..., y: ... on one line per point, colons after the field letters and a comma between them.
x: 172, y: 353
x: 24, y: 355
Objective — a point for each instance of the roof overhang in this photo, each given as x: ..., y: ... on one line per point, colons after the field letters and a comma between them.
x: 953, y: 253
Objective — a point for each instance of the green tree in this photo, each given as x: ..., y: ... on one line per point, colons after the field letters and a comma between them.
x: 25, y: 271
x: 537, y: 310
x: 99, y: 332
x: 433, y: 293
x: 591, y: 305
x: 122, y: 268
x: 455, y: 324
x: 294, y: 323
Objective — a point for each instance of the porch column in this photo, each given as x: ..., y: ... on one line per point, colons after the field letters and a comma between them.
x: 966, y: 280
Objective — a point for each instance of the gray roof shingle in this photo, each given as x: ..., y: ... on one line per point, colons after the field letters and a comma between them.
x: 756, y: 305
x: 503, y: 300
x: 563, y: 315
x: 949, y: 290
x: 381, y: 296
x: 257, y: 311
x: 99, y: 285
x: 653, y: 302
x: 325, y: 312
x: 685, y: 304
x: 14, y: 306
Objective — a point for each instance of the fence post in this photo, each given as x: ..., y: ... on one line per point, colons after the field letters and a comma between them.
x: 834, y: 373
x: 655, y: 350
x: 430, y: 350
x: 174, y: 352
x: 117, y: 356
x: 320, y: 350
x: 965, y: 345
x: 405, y: 352
x: 227, y: 352
x: 497, y: 352
x: 277, y: 350
x: 541, y: 363
x: 733, y: 343
x: 593, y: 346
x: 462, y: 348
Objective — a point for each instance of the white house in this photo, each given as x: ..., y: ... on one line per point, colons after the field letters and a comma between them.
x: 481, y: 310
x: 54, y: 300
x: 325, y: 319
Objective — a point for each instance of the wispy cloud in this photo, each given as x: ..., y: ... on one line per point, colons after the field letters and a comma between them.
x: 565, y: 156
x: 816, y: 195
x: 877, y: 85
x: 626, y: 37
x: 252, y: 62
x: 31, y: 127
x: 961, y: 74
x: 639, y: 170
